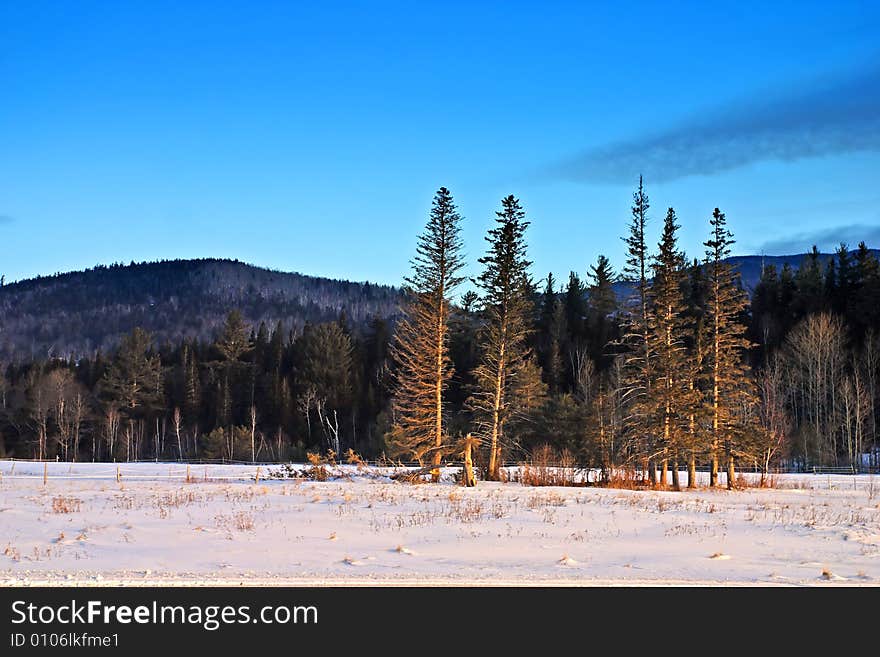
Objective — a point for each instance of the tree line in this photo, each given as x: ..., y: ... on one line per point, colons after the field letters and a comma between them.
x: 677, y: 368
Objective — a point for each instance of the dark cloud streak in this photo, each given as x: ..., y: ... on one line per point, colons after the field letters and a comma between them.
x: 824, y: 118
x: 826, y: 239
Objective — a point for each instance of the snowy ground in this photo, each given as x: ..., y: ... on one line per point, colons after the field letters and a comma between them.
x: 154, y: 528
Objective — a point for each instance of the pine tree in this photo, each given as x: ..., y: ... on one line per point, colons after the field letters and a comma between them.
x: 554, y: 370
x: 575, y: 307
x: 831, y: 292
x: 131, y: 378
x: 672, y: 399
x: 696, y: 310
x: 865, y: 309
x: 602, y: 304
x: 847, y: 281
x: 728, y: 383
x: 324, y: 356
x: 192, y: 391
x: 507, y: 304
x: 233, y: 342
x: 551, y: 336
x: 637, y: 333
x: 810, y: 296
x: 421, y: 347
x: 133, y: 384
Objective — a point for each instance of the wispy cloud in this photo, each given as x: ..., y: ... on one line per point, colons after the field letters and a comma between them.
x: 828, y: 117
x: 6, y: 219
x: 826, y: 239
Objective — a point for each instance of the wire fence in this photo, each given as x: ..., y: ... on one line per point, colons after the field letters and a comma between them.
x: 220, y: 470
x: 121, y: 472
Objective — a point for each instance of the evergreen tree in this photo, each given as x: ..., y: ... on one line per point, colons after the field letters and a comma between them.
x: 865, y: 308
x: 507, y: 308
x: 847, y: 281
x: 192, y: 389
x: 765, y: 308
x: 673, y: 398
x: 233, y: 342
x: 575, y: 308
x: 810, y: 297
x: 830, y: 290
x: 554, y: 368
x: 133, y: 385
x: 551, y: 336
x: 602, y: 304
x: 637, y: 333
x: 324, y: 375
x: 421, y: 347
x: 132, y: 375
x: 729, y: 387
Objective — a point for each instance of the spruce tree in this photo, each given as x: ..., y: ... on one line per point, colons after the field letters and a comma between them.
x: 575, y: 307
x: 729, y: 387
x: 601, y: 307
x: 696, y: 310
x: 865, y: 309
x: 810, y: 297
x: 507, y: 308
x: 551, y: 335
x: 673, y: 398
x: 133, y: 384
x: 637, y: 334
x: 847, y: 280
x: 421, y: 346
x: 233, y: 342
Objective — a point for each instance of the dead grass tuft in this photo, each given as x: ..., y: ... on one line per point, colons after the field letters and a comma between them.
x: 548, y: 467
x: 66, y: 504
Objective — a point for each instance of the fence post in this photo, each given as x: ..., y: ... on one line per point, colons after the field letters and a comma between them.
x: 118, y: 474
x: 188, y: 479
x: 258, y: 475
x: 45, y: 472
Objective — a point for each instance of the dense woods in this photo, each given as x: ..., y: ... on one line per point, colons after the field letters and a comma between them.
x: 672, y: 363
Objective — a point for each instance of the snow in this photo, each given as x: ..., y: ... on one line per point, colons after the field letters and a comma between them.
x: 154, y: 528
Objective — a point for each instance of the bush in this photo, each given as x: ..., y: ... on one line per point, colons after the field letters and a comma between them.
x: 548, y: 467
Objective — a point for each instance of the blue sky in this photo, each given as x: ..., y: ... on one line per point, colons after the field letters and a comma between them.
x: 311, y: 136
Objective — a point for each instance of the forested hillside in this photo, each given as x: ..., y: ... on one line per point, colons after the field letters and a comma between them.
x: 79, y: 313
x: 717, y: 361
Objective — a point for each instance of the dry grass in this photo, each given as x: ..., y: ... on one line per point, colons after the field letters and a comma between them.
x: 12, y: 552
x: 240, y: 521
x: 548, y: 467
x: 66, y: 504
x: 177, y: 499
x: 353, y: 458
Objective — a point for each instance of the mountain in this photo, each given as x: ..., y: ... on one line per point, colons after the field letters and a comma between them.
x: 81, y: 312
x: 78, y: 313
x: 750, y: 267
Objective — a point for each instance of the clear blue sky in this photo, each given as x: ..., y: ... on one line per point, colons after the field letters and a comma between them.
x: 311, y: 136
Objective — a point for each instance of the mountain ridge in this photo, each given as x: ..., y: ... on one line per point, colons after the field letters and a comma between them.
x: 80, y: 312
x: 75, y: 313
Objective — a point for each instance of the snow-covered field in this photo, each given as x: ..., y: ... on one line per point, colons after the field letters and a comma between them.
x: 153, y: 527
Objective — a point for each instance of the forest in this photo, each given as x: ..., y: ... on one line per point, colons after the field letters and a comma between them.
x: 671, y: 363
